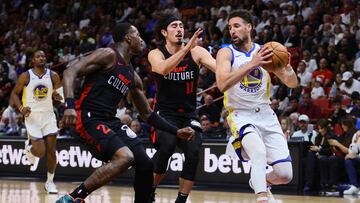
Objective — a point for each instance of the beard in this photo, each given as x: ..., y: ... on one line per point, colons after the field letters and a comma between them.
x: 241, y: 41
x: 179, y: 42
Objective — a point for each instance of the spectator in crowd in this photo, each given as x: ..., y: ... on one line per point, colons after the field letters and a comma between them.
x: 352, y: 165
x: 275, y: 107
x: 337, y: 112
x: 349, y: 84
x: 207, y: 129
x: 210, y: 109
x: 308, y: 108
x: 8, y: 121
x: 306, y: 131
x: 317, y: 91
x: 305, y: 76
x: 324, y: 73
x: 136, y: 127
x: 287, y: 127
x: 321, y: 152
x: 311, y: 64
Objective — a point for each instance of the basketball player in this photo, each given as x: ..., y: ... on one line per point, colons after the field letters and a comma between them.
x: 38, y: 87
x: 109, y: 77
x: 176, y: 71
x: 257, y: 132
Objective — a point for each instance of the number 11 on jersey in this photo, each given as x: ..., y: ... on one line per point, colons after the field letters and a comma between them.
x: 189, y: 87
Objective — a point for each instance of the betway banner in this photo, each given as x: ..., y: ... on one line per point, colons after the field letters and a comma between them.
x: 75, y: 163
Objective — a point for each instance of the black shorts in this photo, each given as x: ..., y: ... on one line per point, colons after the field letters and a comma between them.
x: 103, y: 137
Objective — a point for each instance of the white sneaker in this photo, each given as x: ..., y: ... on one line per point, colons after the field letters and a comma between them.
x: 351, y: 191
x: 31, y: 158
x: 50, y: 187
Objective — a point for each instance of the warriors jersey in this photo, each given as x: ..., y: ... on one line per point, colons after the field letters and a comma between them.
x: 103, y: 90
x: 176, y: 91
x: 254, y: 89
x: 37, y: 94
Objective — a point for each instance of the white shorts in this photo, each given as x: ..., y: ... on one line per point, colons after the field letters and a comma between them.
x: 40, y: 124
x: 264, y: 123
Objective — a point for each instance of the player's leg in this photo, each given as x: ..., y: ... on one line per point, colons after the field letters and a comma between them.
x: 50, y: 130
x: 278, y: 157
x: 106, y: 146
x: 143, y: 175
x: 165, y: 145
x: 255, y: 149
x: 191, y: 150
x: 35, y: 145
x: 50, y: 142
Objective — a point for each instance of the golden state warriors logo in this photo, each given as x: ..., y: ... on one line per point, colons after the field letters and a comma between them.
x: 40, y: 92
x: 252, y: 81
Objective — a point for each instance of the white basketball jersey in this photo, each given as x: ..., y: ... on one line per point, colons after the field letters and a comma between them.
x: 254, y: 89
x: 37, y: 94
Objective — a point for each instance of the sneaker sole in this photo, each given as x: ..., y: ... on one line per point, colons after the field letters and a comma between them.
x: 51, y: 193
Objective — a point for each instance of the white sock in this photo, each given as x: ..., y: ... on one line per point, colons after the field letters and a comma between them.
x: 50, y: 177
x: 261, y: 199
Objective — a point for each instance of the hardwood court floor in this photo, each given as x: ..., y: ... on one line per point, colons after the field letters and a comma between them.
x: 29, y: 191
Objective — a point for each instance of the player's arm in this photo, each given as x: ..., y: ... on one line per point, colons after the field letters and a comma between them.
x: 99, y: 60
x: 15, y: 94
x: 287, y: 75
x: 202, y: 56
x: 139, y: 100
x: 164, y: 66
x: 56, y: 86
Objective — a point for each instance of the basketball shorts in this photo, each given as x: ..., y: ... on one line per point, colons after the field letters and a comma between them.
x: 103, y: 137
x: 41, y: 124
x: 264, y: 123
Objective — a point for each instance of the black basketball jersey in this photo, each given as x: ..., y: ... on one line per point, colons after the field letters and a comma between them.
x: 103, y: 90
x: 176, y: 91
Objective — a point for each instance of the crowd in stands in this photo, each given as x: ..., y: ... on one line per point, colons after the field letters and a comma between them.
x: 323, y: 37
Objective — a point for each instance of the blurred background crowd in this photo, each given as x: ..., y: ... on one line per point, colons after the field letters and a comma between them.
x: 323, y: 37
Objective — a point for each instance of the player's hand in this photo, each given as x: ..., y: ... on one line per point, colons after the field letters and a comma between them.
x: 194, y: 39
x: 26, y: 111
x: 262, y: 56
x: 186, y: 133
x: 57, y: 96
x: 69, y: 118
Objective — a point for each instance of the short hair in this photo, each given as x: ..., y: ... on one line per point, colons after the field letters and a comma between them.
x: 243, y: 14
x: 162, y: 23
x: 119, y: 31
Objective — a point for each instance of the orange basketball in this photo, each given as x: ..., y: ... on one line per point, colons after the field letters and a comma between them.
x: 279, y: 58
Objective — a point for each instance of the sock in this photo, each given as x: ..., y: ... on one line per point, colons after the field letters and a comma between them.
x: 262, y: 200
x: 80, y: 192
x: 50, y: 177
x: 181, y: 198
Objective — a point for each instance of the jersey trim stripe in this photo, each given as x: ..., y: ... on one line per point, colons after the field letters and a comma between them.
x: 84, y: 95
x: 232, y: 56
x: 23, y: 98
x: 268, y: 86
x: 247, y: 54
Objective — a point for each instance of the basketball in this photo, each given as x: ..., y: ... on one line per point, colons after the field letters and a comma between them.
x: 279, y: 58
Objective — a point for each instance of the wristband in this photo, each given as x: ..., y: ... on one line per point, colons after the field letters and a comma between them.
x: 161, y: 124
x: 70, y: 103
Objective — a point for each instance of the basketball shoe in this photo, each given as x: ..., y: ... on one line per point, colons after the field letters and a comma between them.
x: 68, y: 199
